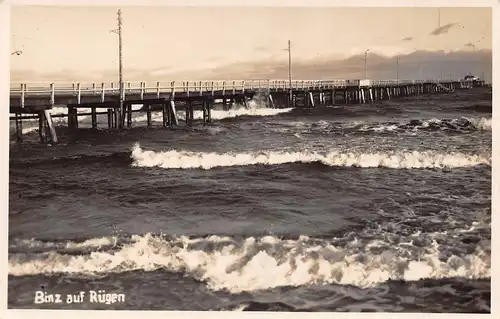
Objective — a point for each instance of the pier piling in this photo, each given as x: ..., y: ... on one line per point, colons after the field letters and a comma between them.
x: 94, y: 118
x: 148, y: 113
x: 110, y: 118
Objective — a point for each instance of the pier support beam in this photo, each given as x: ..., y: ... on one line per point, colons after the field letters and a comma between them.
x: 117, y: 118
x: 148, y: 114
x: 110, y: 118
x: 271, y: 101
x: 165, y: 114
x: 209, y: 110
x: 128, y: 108
x: 94, y: 118
x: 50, y: 126
x: 72, y: 119
x: 204, y: 108
x: 190, y: 113
x: 311, y: 99
x: 289, y: 99
x: 19, y: 127
x: 173, y: 112
x: 41, y: 127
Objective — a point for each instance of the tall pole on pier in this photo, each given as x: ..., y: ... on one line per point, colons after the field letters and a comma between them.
x: 120, y: 68
x: 289, y: 64
x: 290, y: 94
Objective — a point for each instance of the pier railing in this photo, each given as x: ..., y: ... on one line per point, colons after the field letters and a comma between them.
x: 175, y: 86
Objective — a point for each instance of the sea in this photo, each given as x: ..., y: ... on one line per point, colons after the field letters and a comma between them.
x: 380, y: 207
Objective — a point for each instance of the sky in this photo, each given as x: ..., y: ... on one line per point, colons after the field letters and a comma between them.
x: 75, y: 43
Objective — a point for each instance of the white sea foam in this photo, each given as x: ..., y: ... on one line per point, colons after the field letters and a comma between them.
x: 186, y: 159
x: 481, y: 123
x: 218, y: 114
x: 215, y: 114
x: 364, y: 126
x: 261, y: 263
x: 382, y: 128
x: 89, y: 243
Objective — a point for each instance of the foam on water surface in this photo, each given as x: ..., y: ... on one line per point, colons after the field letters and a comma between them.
x: 415, y: 159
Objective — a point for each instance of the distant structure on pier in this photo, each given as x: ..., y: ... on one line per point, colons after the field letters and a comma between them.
x: 474, y: 80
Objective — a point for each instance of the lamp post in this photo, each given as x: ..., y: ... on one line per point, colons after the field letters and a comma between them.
x: 121, y: 110
x: 289, y: 64
x: 120, y: 69
x: 290, y: 93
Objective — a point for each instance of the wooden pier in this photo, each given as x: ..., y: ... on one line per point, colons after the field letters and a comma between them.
x: 35, y: 102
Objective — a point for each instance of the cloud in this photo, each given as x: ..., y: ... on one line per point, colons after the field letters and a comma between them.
x: 20, y: 75
x: 261, y: 49
x: 407, y: 39
x: 443, y: 29
x: 214, y: 59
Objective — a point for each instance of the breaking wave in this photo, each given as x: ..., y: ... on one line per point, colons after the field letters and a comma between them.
x: 237, y: 265
x: 462, y: 124
x: 458, y: 124
x: 219, y: 114
x: 187, y: 159
x: 482, y: 123
x: 434, y: 124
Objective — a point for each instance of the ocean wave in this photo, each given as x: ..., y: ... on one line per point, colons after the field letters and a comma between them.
x: 462, y: 124
x: 237, y: 265
x: 39, y: 244
x: 482, y: 123
x: 219, y: 114
x: 189, y: 160
x: 434, y: 124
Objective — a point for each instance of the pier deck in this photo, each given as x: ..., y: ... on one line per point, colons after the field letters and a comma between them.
x: 34, y: 101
